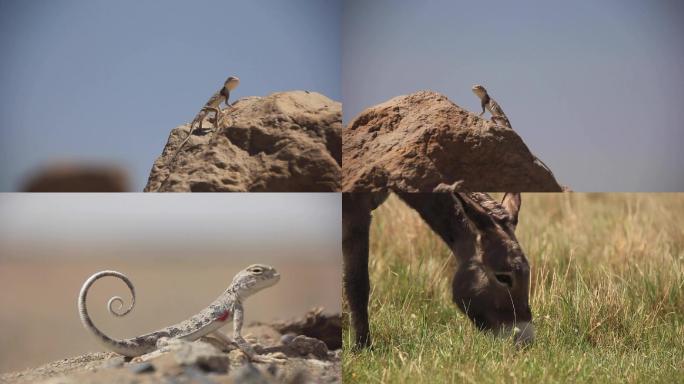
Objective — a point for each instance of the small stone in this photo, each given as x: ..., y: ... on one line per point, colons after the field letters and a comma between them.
x: 197, y: 376
x: 304, y: 345
x: 287, y: 338
x: 248, y: 373
x: 203, y: 356
x: 139, y: 368
x: 114, y: 362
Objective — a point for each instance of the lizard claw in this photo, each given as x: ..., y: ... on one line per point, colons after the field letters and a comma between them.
x: 277, y: 358
x: 251, y: 339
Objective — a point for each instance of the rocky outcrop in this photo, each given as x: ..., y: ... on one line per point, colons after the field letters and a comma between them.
x: 303, y: 359
x: 284, y: 142
x: 315, y: 324
x: 413, y: 143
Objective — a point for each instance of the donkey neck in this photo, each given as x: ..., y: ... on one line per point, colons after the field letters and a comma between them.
x: 445, y: 217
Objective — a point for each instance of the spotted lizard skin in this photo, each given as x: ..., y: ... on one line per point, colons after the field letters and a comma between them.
x: 226, y: 308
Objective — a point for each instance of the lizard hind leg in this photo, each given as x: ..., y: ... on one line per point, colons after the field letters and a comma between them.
x: 216, y: 117
x: 248, y: 349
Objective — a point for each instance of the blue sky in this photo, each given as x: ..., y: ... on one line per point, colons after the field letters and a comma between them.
x: 105, y: 81
x: 595, y: 88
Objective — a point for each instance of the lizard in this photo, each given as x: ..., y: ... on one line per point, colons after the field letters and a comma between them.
x: 491, y: 105
x: 227, y: 307
x: 497, y: 112
x: 212, y: 105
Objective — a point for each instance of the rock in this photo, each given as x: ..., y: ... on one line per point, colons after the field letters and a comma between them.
x: 249, y: 374
x: 287, y: 338
x: 304, y: 346
x: 316, y: 324
x: 199, y: 354
x: 413, y: 143
x: 284, y: 142
x: 77, y: 177
x: 139, y: 368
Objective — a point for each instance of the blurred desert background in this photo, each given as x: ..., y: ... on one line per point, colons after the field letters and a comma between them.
x: 181, y: 251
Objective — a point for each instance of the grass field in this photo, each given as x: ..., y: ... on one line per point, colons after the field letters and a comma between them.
x: 607, y: 297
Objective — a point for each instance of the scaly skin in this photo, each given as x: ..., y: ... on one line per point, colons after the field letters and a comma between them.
x: 225, y: 308
x: 498, y: 114
x: 212, y: 105
x: 491, y: 105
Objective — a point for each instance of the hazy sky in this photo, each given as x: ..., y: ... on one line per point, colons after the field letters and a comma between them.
x: 595, y: 88
x: 172, y: 224
x: 108, y: 80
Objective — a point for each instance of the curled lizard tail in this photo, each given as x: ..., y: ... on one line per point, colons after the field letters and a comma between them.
x: 119, y: 346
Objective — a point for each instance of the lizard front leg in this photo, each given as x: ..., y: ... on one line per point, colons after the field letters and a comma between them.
x: 483, y: 103
x: 238, y: 318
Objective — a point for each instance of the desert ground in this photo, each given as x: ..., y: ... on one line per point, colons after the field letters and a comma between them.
x: 39, y: 318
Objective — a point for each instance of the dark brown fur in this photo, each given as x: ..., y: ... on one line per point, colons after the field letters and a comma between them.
x: 491, y: 282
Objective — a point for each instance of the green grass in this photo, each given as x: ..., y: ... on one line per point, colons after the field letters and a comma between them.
x: 607, y: 297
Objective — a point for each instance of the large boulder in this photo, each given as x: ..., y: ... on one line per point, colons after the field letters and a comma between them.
x: 413, y: 143
x: 284, y: 142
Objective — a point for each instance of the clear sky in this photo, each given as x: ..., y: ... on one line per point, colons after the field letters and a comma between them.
x: 268, y: 225
x: 595, y: 88
x: 106, y: 81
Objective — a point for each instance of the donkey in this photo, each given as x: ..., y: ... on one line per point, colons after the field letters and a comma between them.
x: 492, y: 279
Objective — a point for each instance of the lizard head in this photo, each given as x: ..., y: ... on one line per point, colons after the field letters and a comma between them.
x: 479, y: 90
x: 231, y: 83
x: 255, y: 278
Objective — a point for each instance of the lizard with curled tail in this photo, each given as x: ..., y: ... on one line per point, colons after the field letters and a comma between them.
x: 227, y: 307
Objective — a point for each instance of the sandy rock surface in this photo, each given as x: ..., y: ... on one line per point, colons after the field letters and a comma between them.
x: 302, y: 359
x: 284, y: 142
x: 413, y: 143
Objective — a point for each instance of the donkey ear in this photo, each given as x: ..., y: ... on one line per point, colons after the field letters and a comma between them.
x: 511, y: 202
x: 475, y: 212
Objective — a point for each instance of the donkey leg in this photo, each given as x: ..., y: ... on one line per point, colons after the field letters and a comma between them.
x: 355, y: 227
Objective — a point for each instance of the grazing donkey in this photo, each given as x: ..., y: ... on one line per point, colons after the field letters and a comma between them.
x: 492, y: 280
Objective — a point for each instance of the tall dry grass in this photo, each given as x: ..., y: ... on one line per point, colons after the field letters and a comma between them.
x: 607, y: 296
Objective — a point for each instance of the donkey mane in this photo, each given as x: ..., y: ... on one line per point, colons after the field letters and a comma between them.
x: 493, y: 207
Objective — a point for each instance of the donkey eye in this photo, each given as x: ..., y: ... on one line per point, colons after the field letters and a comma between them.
x: 505, y: 279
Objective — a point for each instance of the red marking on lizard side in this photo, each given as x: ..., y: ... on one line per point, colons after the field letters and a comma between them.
x: 224, y: 316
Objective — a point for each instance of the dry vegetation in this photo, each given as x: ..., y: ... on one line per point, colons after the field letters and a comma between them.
x: 607, y: 297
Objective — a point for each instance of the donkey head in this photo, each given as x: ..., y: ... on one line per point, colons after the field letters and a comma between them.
x: 492, y: 281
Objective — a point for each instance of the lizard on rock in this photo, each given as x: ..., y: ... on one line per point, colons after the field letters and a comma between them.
x: 491, y: 105
x: 225, y: 308
x: 212, y: 105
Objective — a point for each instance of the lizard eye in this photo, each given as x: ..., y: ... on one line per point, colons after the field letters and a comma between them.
x: 257, y: 270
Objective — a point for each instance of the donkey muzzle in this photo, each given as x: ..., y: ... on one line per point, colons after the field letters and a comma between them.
x: 523, y: 333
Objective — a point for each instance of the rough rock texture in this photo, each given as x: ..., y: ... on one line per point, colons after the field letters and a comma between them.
x: 284, y: 142
x: 415, y: 142
x: 77, y: 177
x: 305, y: 359
x: 316, y: 324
